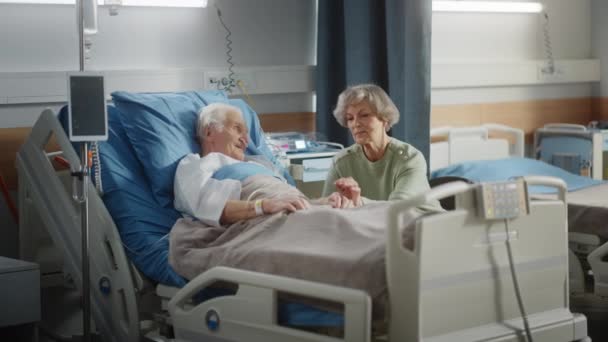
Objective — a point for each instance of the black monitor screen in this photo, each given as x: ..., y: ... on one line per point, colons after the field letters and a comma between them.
x: 88, y: 106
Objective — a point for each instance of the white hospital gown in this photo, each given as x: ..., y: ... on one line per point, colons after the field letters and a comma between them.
x: 200, y: 196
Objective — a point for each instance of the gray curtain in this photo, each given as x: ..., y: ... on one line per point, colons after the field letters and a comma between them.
x: 386, y: 42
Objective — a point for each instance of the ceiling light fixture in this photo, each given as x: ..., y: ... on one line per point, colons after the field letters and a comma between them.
x: 487, y: 6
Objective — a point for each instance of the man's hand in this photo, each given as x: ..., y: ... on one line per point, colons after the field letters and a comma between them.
x: 291, y: 204
x: 349, y: 188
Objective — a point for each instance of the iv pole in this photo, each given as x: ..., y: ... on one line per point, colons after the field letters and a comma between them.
x: 83, y: 175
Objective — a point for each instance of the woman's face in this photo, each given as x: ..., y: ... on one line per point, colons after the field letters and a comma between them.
x: 364, y: 124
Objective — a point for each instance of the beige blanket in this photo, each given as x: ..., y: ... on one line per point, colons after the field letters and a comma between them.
x: 344, y: 247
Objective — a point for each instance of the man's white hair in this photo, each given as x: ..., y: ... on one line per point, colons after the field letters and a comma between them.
x: 214, y: 116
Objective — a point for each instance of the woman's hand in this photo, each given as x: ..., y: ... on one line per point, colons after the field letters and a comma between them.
x: 291, y: 204
x: 349, y: 188
x: 336, y: 200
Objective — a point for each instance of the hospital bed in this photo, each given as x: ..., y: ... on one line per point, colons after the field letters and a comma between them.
x: 494, y: 152
x: 575, y: 148
x: 453, y: 285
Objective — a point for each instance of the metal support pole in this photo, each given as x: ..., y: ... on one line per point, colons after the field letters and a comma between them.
x: 84, y: 214
x: 84, y: 203
x: 80, y: 9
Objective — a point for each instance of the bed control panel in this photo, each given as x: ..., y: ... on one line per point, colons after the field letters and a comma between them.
x: 502, y: 200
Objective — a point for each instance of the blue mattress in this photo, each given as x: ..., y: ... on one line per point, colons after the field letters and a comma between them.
x: 504, y: 169
x: 144, y: 223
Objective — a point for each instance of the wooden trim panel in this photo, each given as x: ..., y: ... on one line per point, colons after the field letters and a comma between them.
x: 600, y: 108
x: 11, y: 140
x: 285, y: 122
x: 527, y: 115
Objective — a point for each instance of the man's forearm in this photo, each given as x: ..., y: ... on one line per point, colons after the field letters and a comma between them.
x: 238, y: 210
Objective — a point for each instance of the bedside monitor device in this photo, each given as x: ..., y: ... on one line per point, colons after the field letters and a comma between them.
x: 87, y: 114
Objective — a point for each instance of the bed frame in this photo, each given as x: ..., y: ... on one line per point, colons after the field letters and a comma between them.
x: 458, y: 144
x: 459, y: 265
x: 563, y: 141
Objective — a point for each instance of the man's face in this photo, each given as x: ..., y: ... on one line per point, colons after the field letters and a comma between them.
x: 233, y: 139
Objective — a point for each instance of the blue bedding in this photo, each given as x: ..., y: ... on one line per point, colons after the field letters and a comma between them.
x: 503, y: 169
x: 240, y: 171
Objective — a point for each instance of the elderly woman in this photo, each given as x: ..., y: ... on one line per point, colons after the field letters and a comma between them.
x: 377, y: 167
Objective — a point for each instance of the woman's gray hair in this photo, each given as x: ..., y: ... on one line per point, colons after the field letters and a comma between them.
x: 213, y: 116
x: 374, y: 96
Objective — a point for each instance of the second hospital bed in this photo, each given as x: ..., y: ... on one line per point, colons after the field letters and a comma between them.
x: 446, y: 274
x: 495, y: 152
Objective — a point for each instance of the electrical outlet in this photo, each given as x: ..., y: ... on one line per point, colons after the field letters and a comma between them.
x: 221, y: 80
x: 246, y: 80
x: 545, y: 74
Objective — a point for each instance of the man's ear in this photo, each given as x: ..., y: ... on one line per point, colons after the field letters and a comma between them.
x: 207, y: 131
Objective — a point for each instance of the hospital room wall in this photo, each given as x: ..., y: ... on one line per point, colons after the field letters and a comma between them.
x: 599, y: 39
x: 265, y: 33
x: 42, y: 38
x: 493, y: 48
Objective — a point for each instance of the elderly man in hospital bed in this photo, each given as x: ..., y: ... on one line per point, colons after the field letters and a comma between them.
x: 209, y: 187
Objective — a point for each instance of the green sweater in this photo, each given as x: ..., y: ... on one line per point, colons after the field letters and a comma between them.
x: 400, y: 174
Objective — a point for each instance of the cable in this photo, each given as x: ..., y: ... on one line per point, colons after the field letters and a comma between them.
x: 231, y: 81
x: 520, y: 302
x: 239, y: 83
x: 548, y: 48
x: 97, y: 167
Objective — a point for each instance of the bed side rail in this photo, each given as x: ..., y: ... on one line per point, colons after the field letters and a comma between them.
x: 114, y: 304
x: 458, y: 284
x: 402, y: 267
x: 251, y: 311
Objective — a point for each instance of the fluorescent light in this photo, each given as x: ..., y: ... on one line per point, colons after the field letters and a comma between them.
x: 53, y: 2
x: 165, y: 3
x: 142, y: 3
x: 487, y: 6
